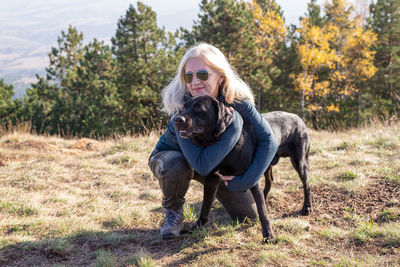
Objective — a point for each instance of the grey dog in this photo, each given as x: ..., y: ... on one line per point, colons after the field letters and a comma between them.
x: 292, y: 136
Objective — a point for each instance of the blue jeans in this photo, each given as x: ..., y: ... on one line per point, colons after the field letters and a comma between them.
x: 174, y: 174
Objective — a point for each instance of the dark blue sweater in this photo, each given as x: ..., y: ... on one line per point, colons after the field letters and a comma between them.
x: 205, y: 159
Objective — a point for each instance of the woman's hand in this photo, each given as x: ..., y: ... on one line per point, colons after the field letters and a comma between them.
x: 226, y: 179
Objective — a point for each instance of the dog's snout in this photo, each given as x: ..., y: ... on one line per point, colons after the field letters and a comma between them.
x: 179, y: 119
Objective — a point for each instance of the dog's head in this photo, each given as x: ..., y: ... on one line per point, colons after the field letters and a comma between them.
x: 203, y: 119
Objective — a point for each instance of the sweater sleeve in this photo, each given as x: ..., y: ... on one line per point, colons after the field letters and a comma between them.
x: 265, y: 151
x: 204, y: 159
x: 168, y: 140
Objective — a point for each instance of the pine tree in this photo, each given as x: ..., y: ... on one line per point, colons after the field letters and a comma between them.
x: 52, y: 100
x: 314, y: 14
x: 233, y: 27
x: 146, y: 62
x: 97, y: 105
x: 385, y: 22
x: 7, y: 105
x: 78, y: 96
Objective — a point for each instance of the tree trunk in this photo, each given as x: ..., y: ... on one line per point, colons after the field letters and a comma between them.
x: 314, y: 120
x: 303, y: 115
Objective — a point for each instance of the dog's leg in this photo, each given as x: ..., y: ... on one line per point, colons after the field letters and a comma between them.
x: 268, y: 235
x: 268, y: 181
x: 300, y: 163
x: 211, y: 183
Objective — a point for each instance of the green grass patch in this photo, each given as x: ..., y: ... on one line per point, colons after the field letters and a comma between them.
x: 292, y: 226
x: 347, y: 262
x: 53, y: 200
x: 351, y: 215
x: 285, y: 239
x: 347, y: 175
x: 384, y: 143
x: 332, y: 233
x: 24, y: 228
x: 141, y: 259
x: 189, y: 212
x: 319, y: 263
x: 117, y: 238
x: 390, y: 214
x: 393, y: 177
x: 114, y: 223
x: 388, y: 234
x: 122, y: 147
x: 105, y: 258
x: 58, y: 247
x: 267, y: 257
x: 17, y: 209
x: 359, y: 162
x: 125, y: 160
x: 200, y: 233
x: 346, y: 146
x: 147, y: 196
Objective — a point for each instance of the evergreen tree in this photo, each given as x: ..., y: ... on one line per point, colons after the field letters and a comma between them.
x: 223, y: 23
x: 146, y: 63
x: 314, y: 14
x: 232, y: 27
x: 384, y: 20
x: 96, y: 106
x: 51, y: 100
x: 7, y: 105
x: 284, y: 93
x: 78, y: 96
x: 38, y: 106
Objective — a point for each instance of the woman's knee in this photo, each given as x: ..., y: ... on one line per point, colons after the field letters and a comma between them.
x: 173, y: 174
x: 165, y: 164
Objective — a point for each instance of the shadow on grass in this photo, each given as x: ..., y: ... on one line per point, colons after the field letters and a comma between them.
x: 81, y: 248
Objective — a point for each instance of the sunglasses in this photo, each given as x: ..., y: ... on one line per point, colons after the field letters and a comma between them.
x: 201, y: 75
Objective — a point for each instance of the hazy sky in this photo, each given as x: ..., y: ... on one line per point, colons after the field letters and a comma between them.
x: 29, y: 28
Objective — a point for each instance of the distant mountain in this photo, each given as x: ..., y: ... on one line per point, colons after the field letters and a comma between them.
x: 28, y: 29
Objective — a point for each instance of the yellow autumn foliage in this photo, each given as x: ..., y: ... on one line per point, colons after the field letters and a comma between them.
x: 342, y: 48
x: 271, y: 28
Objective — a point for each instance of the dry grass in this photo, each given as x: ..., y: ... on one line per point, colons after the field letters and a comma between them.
x: 70, y: 202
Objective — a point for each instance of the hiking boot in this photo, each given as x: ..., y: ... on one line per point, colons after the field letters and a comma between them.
x: 173, y: 224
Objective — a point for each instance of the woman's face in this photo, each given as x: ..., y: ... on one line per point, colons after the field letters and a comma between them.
x: 198, y: 87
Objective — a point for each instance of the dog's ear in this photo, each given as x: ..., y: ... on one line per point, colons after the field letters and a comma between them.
x: 224, y: 118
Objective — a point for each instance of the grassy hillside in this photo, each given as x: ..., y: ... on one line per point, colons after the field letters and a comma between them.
x: 67, y: 202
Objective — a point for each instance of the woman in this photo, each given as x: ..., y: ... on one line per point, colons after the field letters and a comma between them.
x: 204, y: 70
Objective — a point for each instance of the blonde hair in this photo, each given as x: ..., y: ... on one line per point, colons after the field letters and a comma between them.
x: 234, y: 88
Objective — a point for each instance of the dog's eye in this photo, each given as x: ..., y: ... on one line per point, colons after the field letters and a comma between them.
x: 197, y: 108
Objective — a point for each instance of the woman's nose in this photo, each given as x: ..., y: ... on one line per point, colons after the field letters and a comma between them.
x: 195, y: 79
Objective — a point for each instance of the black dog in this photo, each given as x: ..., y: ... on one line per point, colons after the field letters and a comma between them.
x: 204, y: 119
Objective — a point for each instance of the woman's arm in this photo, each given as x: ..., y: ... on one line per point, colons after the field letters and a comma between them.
x: 168, y: 140
x: 204, y: 159
x: 265, y: 151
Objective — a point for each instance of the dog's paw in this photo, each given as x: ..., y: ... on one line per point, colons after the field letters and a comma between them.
x: 269, y: 239
x: 306, y: 210
x: 196, y: 226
